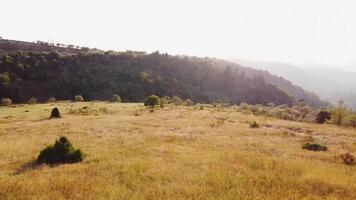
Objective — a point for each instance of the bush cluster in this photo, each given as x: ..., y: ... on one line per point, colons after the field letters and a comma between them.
x: 314, y: 147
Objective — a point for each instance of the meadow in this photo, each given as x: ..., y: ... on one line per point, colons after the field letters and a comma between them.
x: 175, y: 152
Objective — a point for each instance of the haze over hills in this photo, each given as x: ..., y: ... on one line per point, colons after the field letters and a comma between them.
x: 42, y: 70
x: 330, y: 83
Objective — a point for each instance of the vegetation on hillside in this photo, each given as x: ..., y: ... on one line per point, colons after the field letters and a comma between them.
x: 135, y: 75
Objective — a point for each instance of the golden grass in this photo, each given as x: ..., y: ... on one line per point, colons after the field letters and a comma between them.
x: 172, y: 153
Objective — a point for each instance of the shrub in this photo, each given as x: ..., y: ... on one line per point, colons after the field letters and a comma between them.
x: 52, y: 100
x: 314, y: 147
x: 322, y: 116
x: 177, y: 101
x: 151, y: 101
x: 220, y: 121
x: 165, y: 100
x: 188, y: 102
x: 55, y: 113
x: 4, y: 79
x: 271, y: 105
x: 61, y: 152
x: 78, y: 98
x: 6, y: 101
x: 115, y: 98
x: 351, y: 120
x: 339, y: 113
x: 348, y: 158
x: 254, y: 125
x: 32, y: 100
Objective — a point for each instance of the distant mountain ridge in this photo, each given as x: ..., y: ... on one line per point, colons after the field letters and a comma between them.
x: 332, y: 84
x: 42, y: 70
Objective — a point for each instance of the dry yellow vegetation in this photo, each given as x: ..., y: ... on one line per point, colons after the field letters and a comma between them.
x: 171, y: 153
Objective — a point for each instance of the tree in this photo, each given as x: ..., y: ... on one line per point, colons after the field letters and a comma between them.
x: 152, y: 101
x: 339, y: 113
x: 322, y: 116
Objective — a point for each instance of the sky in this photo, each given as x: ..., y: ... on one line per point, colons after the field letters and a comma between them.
x: 295, y: 31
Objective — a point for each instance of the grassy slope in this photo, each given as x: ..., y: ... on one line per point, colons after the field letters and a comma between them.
x: 173, y: 153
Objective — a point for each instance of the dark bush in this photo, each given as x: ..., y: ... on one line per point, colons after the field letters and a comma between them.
x: 61, y: 152
x: 55, y: 113
x: 151, y: 101
x: 314, y: 147
x: 254, y: 125
x: 322, y: 116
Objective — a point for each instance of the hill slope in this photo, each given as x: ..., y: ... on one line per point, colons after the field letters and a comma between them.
x: 134, y: 75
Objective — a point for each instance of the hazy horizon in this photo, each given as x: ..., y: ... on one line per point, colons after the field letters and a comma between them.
x: 295, y: 32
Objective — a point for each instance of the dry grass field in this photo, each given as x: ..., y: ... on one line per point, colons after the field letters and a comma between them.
x: 171, y: 153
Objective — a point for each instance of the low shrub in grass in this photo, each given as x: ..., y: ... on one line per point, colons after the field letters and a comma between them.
x: 78, y: 98
x: 32, y: 100
x: 254, y: 125
x: 188, y: 102
x: 348, y: 158
x: 61, y: 152
x: 115, y: 98
x: 151, y: 101
x: 314, y: 147
x: 6, y: 102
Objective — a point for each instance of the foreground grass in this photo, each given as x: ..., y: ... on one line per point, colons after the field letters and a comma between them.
x: 172, y: 153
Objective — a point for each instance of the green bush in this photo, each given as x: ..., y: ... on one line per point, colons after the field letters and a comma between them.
x: 115, y: 98
x: 6, y: 101
x: 254, y: 125
x: 78, y: 98
x: 61, y: 152
x: 314, y: 147
x: 152, y: 101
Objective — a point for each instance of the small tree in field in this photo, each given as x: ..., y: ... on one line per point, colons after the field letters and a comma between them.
x: 151, y: 101
x: 339, y: 113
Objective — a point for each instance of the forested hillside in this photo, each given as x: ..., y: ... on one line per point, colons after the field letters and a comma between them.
x: 134, y: 75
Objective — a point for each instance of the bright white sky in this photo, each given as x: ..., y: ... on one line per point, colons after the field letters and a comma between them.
x: 279, y: 30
